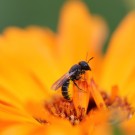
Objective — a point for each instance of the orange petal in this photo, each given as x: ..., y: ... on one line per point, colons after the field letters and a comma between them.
x: 81, y: 97
x: 25, y: 64
x: 39, y: 112
x: 62, y: 127
x: 95, y: 93
x: 78, y: 33
x: 99, y: 34
x: 20, y: 84
x: 44, y: 37
x: 7, y: 98
x: 29, y: 51
x: 18, y: 129
x: 11, y: 114
x: 128, y: 126
x: 119, y: 60
x: 128, y: 89
x: 96, y: 122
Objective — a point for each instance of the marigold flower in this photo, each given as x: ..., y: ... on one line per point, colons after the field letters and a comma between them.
x: 32, y: 59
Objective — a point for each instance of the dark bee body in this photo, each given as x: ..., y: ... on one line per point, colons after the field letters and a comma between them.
x: 65, y: 91
x: 74, y: 74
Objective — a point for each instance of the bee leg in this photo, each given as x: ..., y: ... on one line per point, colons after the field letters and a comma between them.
x: 78, y: 87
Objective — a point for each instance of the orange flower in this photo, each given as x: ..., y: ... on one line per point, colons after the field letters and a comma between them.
x: 33, y: 59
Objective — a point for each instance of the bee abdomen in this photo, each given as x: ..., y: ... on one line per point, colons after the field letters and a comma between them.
x: 65, y: 91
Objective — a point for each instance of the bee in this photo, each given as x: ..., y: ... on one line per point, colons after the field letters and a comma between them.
x: 74, y: 74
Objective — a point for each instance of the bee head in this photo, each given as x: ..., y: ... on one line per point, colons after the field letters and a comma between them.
x: 84, y: 65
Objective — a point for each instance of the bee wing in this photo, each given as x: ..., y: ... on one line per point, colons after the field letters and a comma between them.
x: 61, y: 81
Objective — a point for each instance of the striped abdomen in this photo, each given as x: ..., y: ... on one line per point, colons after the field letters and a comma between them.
x: 65, y: 91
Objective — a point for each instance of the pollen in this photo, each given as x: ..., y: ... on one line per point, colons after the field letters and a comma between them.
x: 83, y: 103
x: 65, y: 109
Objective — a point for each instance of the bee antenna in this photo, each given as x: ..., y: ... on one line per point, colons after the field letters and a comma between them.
x: 90, y: 59
x: 86, y: 56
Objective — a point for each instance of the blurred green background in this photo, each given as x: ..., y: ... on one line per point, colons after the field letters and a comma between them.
x: 46, y: 12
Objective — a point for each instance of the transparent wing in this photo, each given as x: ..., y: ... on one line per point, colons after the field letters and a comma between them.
x: 61, y: 81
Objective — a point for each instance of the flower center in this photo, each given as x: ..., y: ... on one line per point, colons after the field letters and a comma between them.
x: 62, y: 108
x: 83, y: 104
